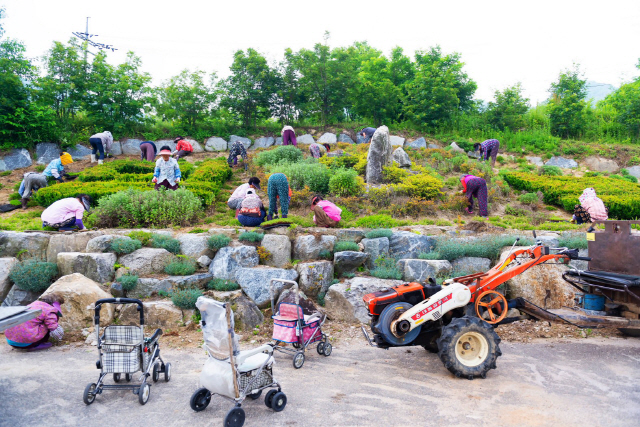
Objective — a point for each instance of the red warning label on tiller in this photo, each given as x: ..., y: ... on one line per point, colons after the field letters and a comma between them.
x: 431, y: 307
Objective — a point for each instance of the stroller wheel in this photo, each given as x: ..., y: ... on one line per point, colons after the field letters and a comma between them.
x: 327, y: 349
x: 128, y: 377
x: 143, y: 393
x: 117, y: 378
x: 320, y: 348
x: 298, y: 359
x: 268, y: 398
x: 167, y: 372
x: 89, y: 394
x: 295, y: 345
x: 155, y: 375
x: 234, y: 418
x: 256, y: 395
x: 279, y: 401
x: 200, y: 399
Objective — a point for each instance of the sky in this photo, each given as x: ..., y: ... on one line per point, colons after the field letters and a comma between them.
x: 501, y: 42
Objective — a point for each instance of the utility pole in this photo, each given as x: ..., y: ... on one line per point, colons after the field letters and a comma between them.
x: 86, y: 37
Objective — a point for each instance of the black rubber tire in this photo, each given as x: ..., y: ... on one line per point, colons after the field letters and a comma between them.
x: 155, y: 373
x: 117, y: 378
x: 143, y: 393
x: 431, y: 343
x: 256, y: 395
x: 167, y: 372
x: 268, y: 398
x: 279, y: 401
x: 482, y: 333
x: 200, y: 399
x: 234, y: 418
x: 89, y: 394
x: 295, y: 345
x: 298, y: 359
x: 630, y: 332
x: 128, y: 377
x: 328, y: 348
x: 320, y: 348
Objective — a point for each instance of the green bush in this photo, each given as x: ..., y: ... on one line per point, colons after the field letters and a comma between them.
x: 379, y: 221
x: 33, y: 275
x: 284, y: 153
x: 344, y: 183
x: 215, y: 171
x: 321, y: 296
x: 125, y: 246
x: 184, y: 266
x: 550, y: 170
x: 422, y: 186
x: 251, y: 236
x: 373, y: 234
x: 166, y: 242
x: 348, y: 275
x: 386, y: 268
x: 325, y: 254
x: 528, y: 198
x: 573, y: 241
x: 185, y: 299
x: 482, y: 247
x: 222, y: 285
x: 218, y: 241
x: 345, y: 245
x: 143, y: 236
x: 308, y: 173
x: 128, y: 282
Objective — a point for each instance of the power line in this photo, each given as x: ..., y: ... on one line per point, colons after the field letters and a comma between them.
x: 86, y: 37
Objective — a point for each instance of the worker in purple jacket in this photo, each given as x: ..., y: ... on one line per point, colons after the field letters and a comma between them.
x: 35, y: 333
x: 488, y: 148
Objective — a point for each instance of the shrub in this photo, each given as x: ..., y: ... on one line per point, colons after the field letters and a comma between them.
x: 285, y: 154
x: 218, y: 241
x: 528, y: 198
x: 345, y: 245
x: 292, y: 220
x: 309, y: 173
x: 501, y: 159
x: 251, y: 236
x: 197, y: 231
x: 128, y: 282
x: 33, y: 275
x: 325, y: 254
x: 386, y: 268
x: 373, y: 234
x: 222, y: 285
x: 348, y: 275
x: 184, y: 266
x: 166, y: 242
x: 143, y: 236
x: 345, y: 183
x: 573, y: 241
x: 394, y: 174
x: 378, y: 221
x: 321, y: 296
x: 550, y: 170
x: 125, y: 246
x: 263, y: 254
x: 186, y: 299
x: 483, y: 247
x: 422, y: 186
x: 211, y: 171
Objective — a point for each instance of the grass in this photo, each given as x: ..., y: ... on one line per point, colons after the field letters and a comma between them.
x: 482, y: 247
x: 573, y: 241
x: 182, y: 267
x: 374, y: 234
x: 21, y: 221
x: 251, y: 236
x: 222, y: 285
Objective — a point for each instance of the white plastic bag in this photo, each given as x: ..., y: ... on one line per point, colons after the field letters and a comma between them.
x: 217, y: 377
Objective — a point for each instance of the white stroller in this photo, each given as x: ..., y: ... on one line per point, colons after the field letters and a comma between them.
x: 231, y: 373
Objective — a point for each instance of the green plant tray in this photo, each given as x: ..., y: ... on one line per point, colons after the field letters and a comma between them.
x: 270, y: 226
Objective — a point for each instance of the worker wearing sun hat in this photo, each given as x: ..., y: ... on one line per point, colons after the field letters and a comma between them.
x: 167, y: 172
x: 55, y: 168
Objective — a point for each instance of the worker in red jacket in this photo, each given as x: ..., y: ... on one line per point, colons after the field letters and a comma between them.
x: 183, y: 148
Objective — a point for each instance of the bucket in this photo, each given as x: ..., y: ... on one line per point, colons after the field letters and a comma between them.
x: 593, y: 302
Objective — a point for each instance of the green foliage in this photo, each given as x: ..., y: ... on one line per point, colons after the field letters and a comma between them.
x: 218, y: 241
x: 125, y: 246
x: 187, y: 97
x: 344, y: 245
x: 143, y: 236
x: 128, y: 282
x: 321, y: 296
x: 33, y: 275
x: 308, y: 173
x: 344, y: 183
x: 379, y: 221
x: 394, y: 174
x: 166, y: 242
x: 348, y: 275
x: 573, y: 241
x: 374, y: 234
x: 283, y: 153
x: 251, y: 236
x: 222, y: 285
x: 528, y: 198
x: 291, y: 219
x: 422, y: 186
x: 507, y: 112
x: 325, y: 254
x: 184, y: 266
x: 186, y: 298
x: 197, y: 231
x: 215, y: 171
x: 386, y: 268
x: 550, y: 170
x: 21, y: 221
x: 483, y: 247
x: 567, y: 105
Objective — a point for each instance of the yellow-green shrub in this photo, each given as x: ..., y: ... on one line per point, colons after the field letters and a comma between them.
x: 422, y: 186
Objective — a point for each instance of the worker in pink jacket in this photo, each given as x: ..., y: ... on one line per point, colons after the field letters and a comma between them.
x: 325, y: 213
x: 35, y: 333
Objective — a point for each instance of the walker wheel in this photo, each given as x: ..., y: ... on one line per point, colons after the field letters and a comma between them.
x: 167, y: 372
x: 90, y: 394
x: 279, y: 401
x: 491, y: 306
x: 200, y: 399
x: 256, y: 395
x: 298, y: 359
x: 155, y: 375
x: 128, y: 377
x: 234, y: 418
x: 143, y: 393
x: 268, y: 398
x: 117, y: 378
x: 328, y: 348
x: 320, y: 348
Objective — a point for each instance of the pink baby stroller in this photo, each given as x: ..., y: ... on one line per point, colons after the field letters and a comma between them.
x: 292, y: 326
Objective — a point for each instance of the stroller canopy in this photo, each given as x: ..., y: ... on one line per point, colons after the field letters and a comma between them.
x: 215, y: 328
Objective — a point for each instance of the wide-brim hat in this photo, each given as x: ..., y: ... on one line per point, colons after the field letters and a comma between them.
x: 164, y: 152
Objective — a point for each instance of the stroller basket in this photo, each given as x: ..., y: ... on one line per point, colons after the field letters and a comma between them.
x: 256, y: 379
x: 285, y: 330
x: 121, y: 349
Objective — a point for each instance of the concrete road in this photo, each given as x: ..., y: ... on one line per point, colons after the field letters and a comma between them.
x: 588, y: 382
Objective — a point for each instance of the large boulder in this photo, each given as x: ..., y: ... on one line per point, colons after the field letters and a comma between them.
x: 406, y: 244
x: 6, y: 264
x: 309, y: 247
x: 116, y: 148
x: 146, y: 261
x: 190, y: 282
x: 343, y: 137
x: 79, y: 152
x: 379, y: 155
x: 74, y: 242
x: 418, y: 143
x: 400, y: 157
x: 375, y: 248
x: 157, y: 314
x: 246, y: 315
x: 35, y: 244
x: 328, y: 138
x: 46, y: 152
x: 131, y: 147
x: 255, y: 283
x: 230, y: 259
x: 263, y: 142
x: 280, y: 248
x: 102, y: 243
x: 147, y: 286
x: 348, y: 261
x: 278, y: 141
x: 343, y: 301
x: 19, y: 297
x: 194, y: 245
x: 16, y: 159
x: 204, y: 261
x: 396, y: 141
x: 419, y: 270
x: 95, y: 266
x: 578, y: 264
x: 197, y: 148
x: 80, y: 294
x: 245, y: 141
x: 350, y: 235
x: 561, y: 162
x: 216, y: 144
x: 456, y: 148
x: 289, y: 296
x: 305, y: 139
x: 600, y: 164
x: 471, y: 265
x: 535, y: 160
x: 315, y: 276
x: 634, y: 171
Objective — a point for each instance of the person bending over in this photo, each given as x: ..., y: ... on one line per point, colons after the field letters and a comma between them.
x: 474, y: 186
x: 251, y: 212
x: 278, y: 189
x: 325, y: 213
x: 32, y: 182
x: 148, y: 151
x: 367, y: 134
x: 183, y: 148
x: 101, y: 142
x: 590, y: 208
x: 237, y: 149
x: 488, y: 148
x: 55, y: 168
x: 240, y: 193
x: 66, y: 214
x: 289, y: 136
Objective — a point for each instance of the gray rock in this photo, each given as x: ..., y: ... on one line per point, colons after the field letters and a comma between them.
x: 471, y: 265
x: 561, y: 162
x: 95, y: 266
x: 146, y: 261
x: 350, y: 235
x: 343, y: 137
x: 147, y: 286
x: 535, y: 160
x: 308, y: 247
x: 73, y: 242
x: 361, y: 139
x: 102, y: 243
x: 599, y: 164
x: 315, y: 277
x: 12, y: 242
x: 634, y: 171
x: 580, y: 265
x: 280, y: 248
x: 194, y: 245
x: 157, y: 314
x: 305, y: 139
x: 17, y: 158
x: 264, y: 142
x: 401, y: 158
x: 116, y: 148
x: 255, y: 282
x: 433, y: 146
x: 396, y: 141
x: 419, y: 270
x: 131, y: 147
x: 79, y: 152
x: 418, y: 143
x: 246, y: 315
x: 375, y: 248
x: 168, y: 142
x: 456, y: 148
x: 116, y: 290
x: 474, y: 154
x: 379, y: 155
x: 197, y: 148
x: 6, y: 264
x: 230, y: 259
x: 216, y: 144
x: 348, y: 261
x: 278, y: 141
x: 46, y: 152
x: 406, y: 244
x: 19, y: 297
x: 328, y: 138
x: 287, y: 295
x: 204, y: 261
x: 190, y: 282
x: 343, y: 301
x: 245, y: 141
x: 550, y: 240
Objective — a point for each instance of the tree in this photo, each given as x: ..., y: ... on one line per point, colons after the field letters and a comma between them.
x: 567, y: 104
x: 507, y: 112
x: 287, y: 97
x: 626, y: 103
x: 376, y: 96
x: 187, y: 97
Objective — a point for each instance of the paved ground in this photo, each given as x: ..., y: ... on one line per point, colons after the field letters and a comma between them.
x: 573, y: 382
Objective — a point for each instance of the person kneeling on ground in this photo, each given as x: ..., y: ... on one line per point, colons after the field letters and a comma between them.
x: 590, y: 208
x: 325, y: 213
x: 66, y: 214
x: 251, y: 212
x: 237, y: 149
x: 101, y: 142
x: 488, y: 148
x: 183, y: 148
x: 240, y: 193
x: 367, y: 134
x: 476, y: 187
x: 318, y: 150
x: 32, y: 182
x: 55, y: 168
x: 148, y: 151
x: 167, y: 172
x: 278, y: 189
x: 35, y: 333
